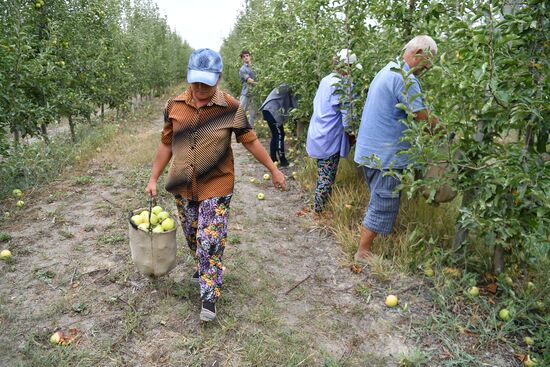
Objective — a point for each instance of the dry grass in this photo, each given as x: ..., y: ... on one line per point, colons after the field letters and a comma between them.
x: 420, y: 229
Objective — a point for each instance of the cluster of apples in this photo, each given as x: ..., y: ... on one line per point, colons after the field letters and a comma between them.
x: 18, y: 194
x: 157, y: 221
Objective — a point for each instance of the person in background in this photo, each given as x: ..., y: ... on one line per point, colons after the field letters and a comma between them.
x: 328, y: 135
x: 196, y: 137
x: 275, y: 110
x: 248, y: 80
x: 379, y: 141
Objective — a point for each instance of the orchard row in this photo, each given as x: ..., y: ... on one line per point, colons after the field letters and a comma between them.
x: 70, y: 59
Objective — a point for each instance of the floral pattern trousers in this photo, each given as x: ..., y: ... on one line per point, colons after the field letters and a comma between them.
x: 205, y: 228
x: 326, y: 175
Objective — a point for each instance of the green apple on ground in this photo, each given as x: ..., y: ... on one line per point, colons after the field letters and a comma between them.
x: 530, y: 286
x: 508, y: 281
x: 168, y: 224
x: 56, y: 337
x: 391, y: 301
x: 261, y: 196
x: 157, y: 209
x: 429, y: 272
x: 528, y: 340
x: 5, y: 254
x: 267, y: 176
x: 17, y: 193
x: 473, y: 291
x: 528, y: 362
x: 504, y: 314
x: 20, y: 204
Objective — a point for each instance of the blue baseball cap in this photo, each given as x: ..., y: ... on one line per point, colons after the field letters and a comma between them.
x: 205, y: 66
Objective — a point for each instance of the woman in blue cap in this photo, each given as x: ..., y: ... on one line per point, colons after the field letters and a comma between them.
x: 196, y: 137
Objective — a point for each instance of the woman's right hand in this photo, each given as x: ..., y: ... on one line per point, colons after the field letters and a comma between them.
x: 151, y: 188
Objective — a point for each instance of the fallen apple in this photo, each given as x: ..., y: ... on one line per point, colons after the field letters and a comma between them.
x: 539, y: 305
x: 391, y: 301
x: 267, y: 176
x: 20, y: 204
x: 261, y: 196
x: 5, y: 254
x: 98, y: 150
x: 56, y: 337
x: 528, y: 362
x: 528, y: 340
x: 429, y: 272
x: 530, y: 286
x: 473, y: 291
x: 157, y: 209
x: 168, y: 224
x: 504, y: 314
x: 17, y: 193
x: 508, y: 281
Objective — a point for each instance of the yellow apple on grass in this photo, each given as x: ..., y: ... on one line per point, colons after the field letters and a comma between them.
x: 20, y: 204
x: 429, y: 272
x: 267, y: 176
x: 261, y: 196
x: 57, y: 337
x: 474, y: 291
x: 5, y: 255
x: 504, y: 314
x: 528, y: 340
x: 17, y: 193
x: 391, y: 301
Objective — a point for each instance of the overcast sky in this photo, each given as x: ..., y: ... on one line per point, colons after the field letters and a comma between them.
x: 202, y: 23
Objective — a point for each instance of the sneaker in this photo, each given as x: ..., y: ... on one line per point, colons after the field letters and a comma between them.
x: 208, y: 311
x: 195, y: 277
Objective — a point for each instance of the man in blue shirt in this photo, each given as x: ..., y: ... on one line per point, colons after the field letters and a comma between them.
x: 248, y: 79
x: 327, y: 134
x: 380, y: 133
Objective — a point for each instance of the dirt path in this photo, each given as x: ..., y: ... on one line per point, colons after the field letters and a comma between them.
x: 289, y: 297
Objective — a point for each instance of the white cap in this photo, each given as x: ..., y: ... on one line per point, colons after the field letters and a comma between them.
x: 346, y: 56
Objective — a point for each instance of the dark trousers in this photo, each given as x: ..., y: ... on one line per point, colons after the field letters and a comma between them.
x: 277, y: 144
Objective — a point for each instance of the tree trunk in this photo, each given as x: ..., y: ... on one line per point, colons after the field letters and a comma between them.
x: 16, y: 136
x: 102, y: 112
x: 44, y: 133
x: 71, y: 126
x: 498, y: 260
x: 300, y: 129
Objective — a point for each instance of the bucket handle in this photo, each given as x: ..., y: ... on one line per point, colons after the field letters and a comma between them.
x: 150, y: 201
